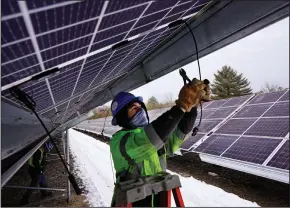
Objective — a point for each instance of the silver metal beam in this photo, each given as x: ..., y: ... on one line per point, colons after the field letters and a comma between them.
x: 35, y: 188
x: 12, y: 170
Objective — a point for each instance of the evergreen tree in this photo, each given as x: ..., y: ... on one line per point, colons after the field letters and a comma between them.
x: 228, y: 83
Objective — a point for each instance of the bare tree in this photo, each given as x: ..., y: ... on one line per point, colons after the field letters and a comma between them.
x: 271, y: 88
x: 168, y: 100
x: 168, y: 97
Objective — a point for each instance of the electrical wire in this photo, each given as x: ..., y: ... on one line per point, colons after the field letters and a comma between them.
x: 195, y: 129
x: 30, y: 104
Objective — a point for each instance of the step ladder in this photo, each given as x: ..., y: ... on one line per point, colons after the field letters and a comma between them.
x: 128, y: 192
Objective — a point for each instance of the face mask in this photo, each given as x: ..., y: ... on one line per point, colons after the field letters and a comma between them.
x: 140, y: 119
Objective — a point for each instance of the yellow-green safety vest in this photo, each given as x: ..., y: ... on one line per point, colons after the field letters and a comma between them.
x: 30, y: 161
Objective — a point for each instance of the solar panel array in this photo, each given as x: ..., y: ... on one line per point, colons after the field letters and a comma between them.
x: 257, y: 133
x: 213, y: 113
x: 39, y: 35
x: 252, y: 129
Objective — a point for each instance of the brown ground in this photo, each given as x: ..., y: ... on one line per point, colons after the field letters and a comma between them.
x: 56, y: 178
x: 264, y: 192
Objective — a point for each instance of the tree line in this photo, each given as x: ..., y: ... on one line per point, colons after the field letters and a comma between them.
x: 227, y: 83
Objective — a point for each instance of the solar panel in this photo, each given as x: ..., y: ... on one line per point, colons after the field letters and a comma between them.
x: 252, y: 149
x: 213, y: 113
x: 267, y: 97
x: 254, y: 132
x: 215, y: 144
x: 55, y: 32
x: 281, y: 158
x: 191, y: 141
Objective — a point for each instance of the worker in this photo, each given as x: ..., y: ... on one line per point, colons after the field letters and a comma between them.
x: 140, y: 148
x: 36, y: 172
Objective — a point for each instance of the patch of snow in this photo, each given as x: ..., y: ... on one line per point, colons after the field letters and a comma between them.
x: 92, y: 159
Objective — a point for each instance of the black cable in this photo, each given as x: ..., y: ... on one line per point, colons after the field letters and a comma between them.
x: 195, y: 129
x: 30, y: 104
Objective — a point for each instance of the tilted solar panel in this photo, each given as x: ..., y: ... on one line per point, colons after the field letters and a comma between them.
x: 213, y: 113
x: 281, y: 158
x: 254, y: 133
x: 39, y: 35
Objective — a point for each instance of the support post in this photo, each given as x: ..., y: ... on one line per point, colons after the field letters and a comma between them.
x: 63, y: 138
x: 68, y: 166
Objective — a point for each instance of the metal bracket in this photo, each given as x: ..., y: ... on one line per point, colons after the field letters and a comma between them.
x: 147, y: 78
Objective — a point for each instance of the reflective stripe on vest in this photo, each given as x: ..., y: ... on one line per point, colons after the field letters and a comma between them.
x: 30, y: 161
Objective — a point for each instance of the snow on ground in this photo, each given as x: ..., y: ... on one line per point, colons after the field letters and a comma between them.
x: 92, y: 159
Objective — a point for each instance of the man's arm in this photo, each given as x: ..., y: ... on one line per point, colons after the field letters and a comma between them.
x: 181, y: 132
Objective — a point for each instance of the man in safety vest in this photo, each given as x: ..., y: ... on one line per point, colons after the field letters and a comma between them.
x: 140, y: 148
x: 36, y: 172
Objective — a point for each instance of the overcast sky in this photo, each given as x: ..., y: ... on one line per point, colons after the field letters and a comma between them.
x: 262, y: 57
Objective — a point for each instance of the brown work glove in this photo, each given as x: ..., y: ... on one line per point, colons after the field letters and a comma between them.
x: 192, y: 93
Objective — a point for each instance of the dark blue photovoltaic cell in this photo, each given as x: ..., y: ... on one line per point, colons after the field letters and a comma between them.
x: 222, y: 113
x: 235, y: 126
x: 170, y: 19
x: 9, y: 7
x: 207, y: 125
x: 61, y: 36
x: 121, y: 17
x: 12, y: 30
x: 215, y: 144
x: 118, y: 5
x: 236, y: 101
x: 62, y: 84
x: 20, y: 75
x: 279, y: 109
x: 252, y: 111
x: 275, y: 127
x: 216, y: 103
x: 191, y: 141
x: 252, y: 149
x: 65, y: 48
x: 204, y: 105
x: 98, y: 57
x: 160, y: 5
x: 108, y: 41
x: 205, y: 113
x: 151, y: 18
x: 15, y: 51
x: 285, y: 97
x: 62, y: 16
x: 142, y: 29
x: 64, y: 58
x: 43, y: 100
x: 267, y: 97
x: 15, y: 66
x: 182, y: 7
x: 33, y: 4
x: 281, y: 158
x: 101, y: 35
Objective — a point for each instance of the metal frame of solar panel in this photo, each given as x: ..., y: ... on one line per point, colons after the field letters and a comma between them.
x: 214, y: 113
x: 37, y: 36
x: 254, y: 138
